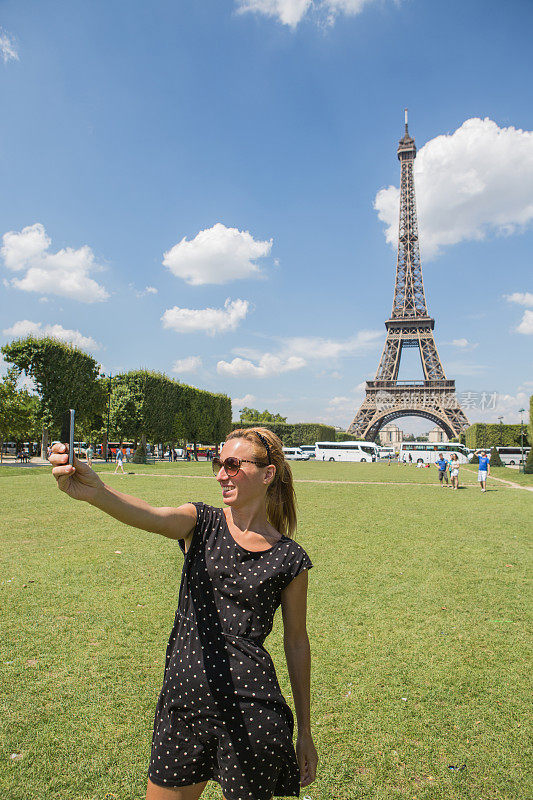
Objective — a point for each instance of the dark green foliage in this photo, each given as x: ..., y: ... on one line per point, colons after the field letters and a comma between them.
x: 528, y: 468
x: 17, y: 409
x: 142, y: 402
x: 139, y: 456
x: 164, y: 410
x: 342, y: 436
x: 495, y: 460
x: 297, y: 434
x: 530, y: 426
x: 65, y: 377
x: 489, y: 435
x: 254, y: 417
x: 475, y: 459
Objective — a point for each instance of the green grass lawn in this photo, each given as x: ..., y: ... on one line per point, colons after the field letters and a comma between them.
x: 417, y: 617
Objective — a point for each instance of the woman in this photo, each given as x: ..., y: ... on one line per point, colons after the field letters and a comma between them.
x: 220, y: 713
x: 454, y: 470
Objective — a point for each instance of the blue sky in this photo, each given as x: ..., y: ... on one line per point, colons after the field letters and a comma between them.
x: 206, y: 189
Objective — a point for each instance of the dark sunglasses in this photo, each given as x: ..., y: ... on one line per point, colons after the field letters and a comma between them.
x: 232, y: 465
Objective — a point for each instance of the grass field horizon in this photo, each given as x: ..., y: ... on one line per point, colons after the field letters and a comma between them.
x: 417, y: 620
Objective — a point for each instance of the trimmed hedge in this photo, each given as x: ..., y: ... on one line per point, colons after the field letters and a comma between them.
x: 342, y: 436
x: 151, y: 404
x: 492, y: 435
x: 294, y: 435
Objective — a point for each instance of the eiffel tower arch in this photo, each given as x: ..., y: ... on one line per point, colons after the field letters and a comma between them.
x: 409, y: 325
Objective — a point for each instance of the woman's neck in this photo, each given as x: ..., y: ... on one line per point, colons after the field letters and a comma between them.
x: 251, y: 517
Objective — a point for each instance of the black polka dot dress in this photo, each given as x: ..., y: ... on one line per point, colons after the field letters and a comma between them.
x: 221, y: 714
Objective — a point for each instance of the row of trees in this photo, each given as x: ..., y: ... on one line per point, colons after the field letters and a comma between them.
x: 150, y: 405
x: 139, y: 404
x: 490, y: 435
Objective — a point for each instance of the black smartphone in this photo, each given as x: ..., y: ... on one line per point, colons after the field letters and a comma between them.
x: 67, y: 432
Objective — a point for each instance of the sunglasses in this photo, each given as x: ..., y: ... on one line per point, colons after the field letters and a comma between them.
x: 232, y: 465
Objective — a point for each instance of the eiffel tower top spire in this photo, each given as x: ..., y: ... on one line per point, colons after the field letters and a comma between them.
x: 409, y: 297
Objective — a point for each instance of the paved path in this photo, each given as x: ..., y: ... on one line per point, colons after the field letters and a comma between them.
x: 512, y: 484
x: 305, y: 480
x: 509, y: 484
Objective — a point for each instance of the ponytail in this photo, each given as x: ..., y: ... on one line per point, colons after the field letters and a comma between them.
x: 280, y: 499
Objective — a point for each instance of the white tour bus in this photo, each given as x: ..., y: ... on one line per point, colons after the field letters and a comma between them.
x: 511, y: 455
x: 428, y: 452
x: 346, y: 451
x: 295, y: 454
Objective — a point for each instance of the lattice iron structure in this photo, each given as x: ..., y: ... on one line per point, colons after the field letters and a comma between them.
x: 409, y: 325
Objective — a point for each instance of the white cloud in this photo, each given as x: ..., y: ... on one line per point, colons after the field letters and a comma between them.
x: 472, y: 183
x: 295, y: 353
x: 216, y: 255
x: 463, y: 344
x: 526, y: 325
x: 64, y: 273
x: 507, y: 406
x: 189, y: 364
x: 240, y: 402
x: 143, y: 292
x: 461, y: 368
x: 208, y: 320
x: 291, y: 12
x: 8, y: 50
x: 26, y: 327
x: 522, y: 298
x: 269, y: 365
x: 315, y: 347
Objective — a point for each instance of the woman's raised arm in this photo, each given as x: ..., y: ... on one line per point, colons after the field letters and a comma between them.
x: 80, y: 482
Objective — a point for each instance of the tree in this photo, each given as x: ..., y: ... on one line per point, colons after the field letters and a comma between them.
x: 528, y: 468
x: 64, y: 376
x: 252, y: 415
x: 16, y: 409
x: 495, y: 460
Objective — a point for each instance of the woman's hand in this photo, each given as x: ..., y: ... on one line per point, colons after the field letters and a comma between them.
x: 79, y: 481
x: 307, y: 758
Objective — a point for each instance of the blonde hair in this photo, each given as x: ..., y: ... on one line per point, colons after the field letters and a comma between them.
x: 281, y: 499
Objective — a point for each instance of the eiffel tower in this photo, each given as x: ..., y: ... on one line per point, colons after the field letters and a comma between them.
x: 409, y: 325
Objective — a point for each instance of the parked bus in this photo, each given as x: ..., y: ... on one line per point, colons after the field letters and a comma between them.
x: 512, y: 455
x: 308, y: 448
x: 346, y: 451
x: 428, y: 452
x: 386, y: 452
x: 113, y: 446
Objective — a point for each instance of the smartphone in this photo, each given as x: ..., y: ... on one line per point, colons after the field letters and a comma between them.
x: 71, y: 437
x: 67, y: 432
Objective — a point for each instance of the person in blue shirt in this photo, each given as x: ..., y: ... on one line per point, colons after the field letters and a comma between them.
x: 484, y: 469
x: 442, y: 466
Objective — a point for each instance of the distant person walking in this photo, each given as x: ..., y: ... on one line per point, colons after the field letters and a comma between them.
x: 89, y: 454
x: 483, y: 469
x: 119, y: 458
x: 454, y: 470
x: 410, y: 458
x: 442, y: 466
x: 128, y: 454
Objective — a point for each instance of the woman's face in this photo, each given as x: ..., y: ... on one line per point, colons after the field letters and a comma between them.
x: 251, y: 481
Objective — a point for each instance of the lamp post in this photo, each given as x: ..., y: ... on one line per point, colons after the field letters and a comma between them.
x: 501, y: 430
x: 108, y: 414
x: 522, y: 465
